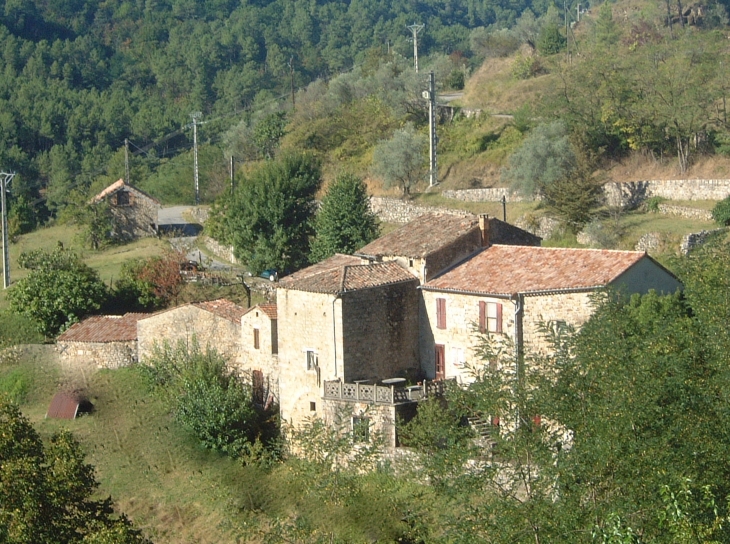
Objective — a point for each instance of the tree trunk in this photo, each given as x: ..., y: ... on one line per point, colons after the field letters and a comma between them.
x: 683, y: 154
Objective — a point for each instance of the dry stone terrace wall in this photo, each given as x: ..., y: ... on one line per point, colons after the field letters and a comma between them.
x: 393, y: 210
x: 97, y: 354
x: 491, y: 194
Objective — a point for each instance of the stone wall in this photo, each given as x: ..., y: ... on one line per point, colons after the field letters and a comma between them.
x: 185, y: 323
x: 440, y: 260
x: 694, y: 239
x: 219, y: 250
x: 620, y: 194
x: 686, y: 212
x: 98, y: 354
x: 382, y: 418
x: 393, y: 210
x: 458, y: 338
x: 491, y: 194
x: 264, y: 358
x: 381, y: 332
x: 572, y: 308
x: 136, y: 219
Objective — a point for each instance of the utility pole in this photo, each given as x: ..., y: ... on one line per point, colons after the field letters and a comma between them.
x: 126, y: 161
x: 232, y: 161
x: 195, y: 117
x: 430, y: 95
x: 415, y: 29
x: 5, y: 178
x: 291, y: 80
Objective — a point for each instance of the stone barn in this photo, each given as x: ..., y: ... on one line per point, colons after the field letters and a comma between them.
x: 134, y: 213
x: 214, y: 324
x: 259, y: 352
x: 100, y: 341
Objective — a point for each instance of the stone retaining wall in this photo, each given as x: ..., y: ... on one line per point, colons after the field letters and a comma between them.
x: 98, y: 354
x: 491, y: 194
x: 393, y: 210
x: 686, y: 212
x: 695, y: 239
x: 219, y: 250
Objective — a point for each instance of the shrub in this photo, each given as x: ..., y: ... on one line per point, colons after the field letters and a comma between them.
x: 207, y: 399
x: 721, y: 212
x: 525, y: 67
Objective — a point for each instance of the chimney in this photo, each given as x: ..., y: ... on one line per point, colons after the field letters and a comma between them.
x: 484, y: 228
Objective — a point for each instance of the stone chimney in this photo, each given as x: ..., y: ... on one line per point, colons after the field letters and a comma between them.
x: 484, y: 228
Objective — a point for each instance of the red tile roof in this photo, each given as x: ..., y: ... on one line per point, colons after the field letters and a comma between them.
x: 223, y: 308
x: 336, y: 261
x: 268, y: 309
x: 350, y: 278
x: 422, y: 236
x: 505, y: 270
x: 103, y: 328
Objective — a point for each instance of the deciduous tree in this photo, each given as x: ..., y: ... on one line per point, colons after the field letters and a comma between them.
x: 401, y: 160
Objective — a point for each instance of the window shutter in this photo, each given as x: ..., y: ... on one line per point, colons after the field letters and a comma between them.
x: 255, y: 339
x: 482, y: 316
x: 499, y: 318
x: 440, y: 313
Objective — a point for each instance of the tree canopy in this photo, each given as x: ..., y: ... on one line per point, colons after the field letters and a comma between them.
x: 344, y: 223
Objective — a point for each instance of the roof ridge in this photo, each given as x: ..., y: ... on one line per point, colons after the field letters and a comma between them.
x: 593, y: 249
x: 342, y: 278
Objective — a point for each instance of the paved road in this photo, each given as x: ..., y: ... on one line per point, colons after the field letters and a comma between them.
x: 170, y: 220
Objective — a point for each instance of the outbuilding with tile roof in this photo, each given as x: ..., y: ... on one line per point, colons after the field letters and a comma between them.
x: 510, y: 291
x: 134, y: 212
x: 101, y: 341
x: 215, y: 324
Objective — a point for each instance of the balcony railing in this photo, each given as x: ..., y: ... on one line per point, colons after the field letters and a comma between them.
x: 381, y: 394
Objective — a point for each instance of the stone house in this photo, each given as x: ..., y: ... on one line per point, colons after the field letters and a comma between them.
x: 258, y: 357
x: 433, y: 242
x: 215, y: 324
x: 134, y: 213
x: 508, y: 291
x: 100, y: 341
x: 342, y: 322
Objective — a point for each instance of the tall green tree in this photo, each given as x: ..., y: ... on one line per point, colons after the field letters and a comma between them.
x: 58, y: 291
x: 270, y: 219
x: 46, y: 490
x: 345, y: 222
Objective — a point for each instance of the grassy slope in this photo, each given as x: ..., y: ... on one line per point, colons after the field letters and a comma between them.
x: 173, y: 489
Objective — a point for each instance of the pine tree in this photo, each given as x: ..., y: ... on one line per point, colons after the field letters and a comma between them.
x: 345, y: 222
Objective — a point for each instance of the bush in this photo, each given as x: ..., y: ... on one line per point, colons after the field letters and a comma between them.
x: 207, y: 399
x: 551, y: 40
x: 526, y: 67
x: 721, y: 212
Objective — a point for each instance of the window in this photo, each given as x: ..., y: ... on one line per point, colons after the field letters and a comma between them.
x: 123, y: 199
x: 274, y: 337
x: 490, y: 317
x: 256, y: 339
x: 311, y: 359
x: 440, y: 313
x: 312, y: 406
x: 360, y: 429
x: 457, y: 356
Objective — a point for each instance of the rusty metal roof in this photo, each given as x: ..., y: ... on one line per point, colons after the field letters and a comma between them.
x: 351, y: 278
x: 422, y: 236
x: 505, y: 270
x: 223, y: 308
x: 104, y: 328
x: 64, y: 406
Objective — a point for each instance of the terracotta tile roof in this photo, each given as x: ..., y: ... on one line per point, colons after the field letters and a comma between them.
x: 223, y: 308
x: 504, y: 270
x: 103, y: 328
x: 351, y: 278
x: 336, y: 261
x: 422, y: 236
x: 268, y: 309
x: 114, y: 187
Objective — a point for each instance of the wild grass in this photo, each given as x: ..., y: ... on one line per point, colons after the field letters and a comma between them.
x: 176, y: 491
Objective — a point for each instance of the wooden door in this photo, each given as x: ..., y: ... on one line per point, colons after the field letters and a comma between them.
x: 440, y: 357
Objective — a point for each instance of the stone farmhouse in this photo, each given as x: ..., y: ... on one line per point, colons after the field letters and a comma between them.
x: 365, y: 337
x: 134, y: 213
x: 509, y: 291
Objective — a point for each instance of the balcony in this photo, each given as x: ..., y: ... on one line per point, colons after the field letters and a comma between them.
x: 381, y: 394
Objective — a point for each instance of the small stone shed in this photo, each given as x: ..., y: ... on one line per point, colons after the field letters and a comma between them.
x: 508, y: 291
x: 214, y: 324
x: 134, y: 212
x: 101, y: 341
x: 259, y: 352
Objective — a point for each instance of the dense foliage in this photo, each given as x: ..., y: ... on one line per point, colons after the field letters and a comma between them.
x: 270, y: 219
x: 207, y: 398
x: 58, y: 291
x: 344, y: 222
x: 46, y: 490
